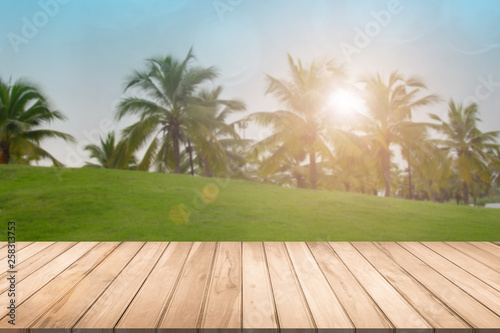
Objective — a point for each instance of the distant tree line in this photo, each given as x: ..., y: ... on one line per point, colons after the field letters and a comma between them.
x: 182, y: 126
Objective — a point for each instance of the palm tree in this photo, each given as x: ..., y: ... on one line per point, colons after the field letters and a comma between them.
x: 23, y: 110
x: 107, y: 153
x: 300, y: 129
x: 219, y: 145
x: 171, y: 112
x: 495, y: 185
x: 433, y: 176
x: 390, y: 106
x: 469, y: 147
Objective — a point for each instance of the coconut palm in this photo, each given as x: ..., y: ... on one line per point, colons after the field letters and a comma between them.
x: 469, y: 147
x: 170, y: 110
x: 24, y: 109
x: 390, y: 106
x: 433, y: 177
x: 301, y: 128
x: 106, y: 153
x: 218, y: 146
x: 495, y: 185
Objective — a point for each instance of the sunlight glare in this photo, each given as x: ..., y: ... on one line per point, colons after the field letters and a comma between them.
x: 346, y: 103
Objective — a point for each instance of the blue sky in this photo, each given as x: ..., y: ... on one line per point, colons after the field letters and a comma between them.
x: 80, y: 51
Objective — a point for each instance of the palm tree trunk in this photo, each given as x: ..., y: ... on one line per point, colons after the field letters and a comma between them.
x: 312, y: 165
x: 300, y: 179
x: 5, y: 156
x: 466, y: 194
x: 177, y: 154
x: 386, y: 166
x: 208, y: 172
x: 410, y: 190
x: 190, y: 151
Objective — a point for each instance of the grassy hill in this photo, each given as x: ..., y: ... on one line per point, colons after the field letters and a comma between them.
x: 94, y: 204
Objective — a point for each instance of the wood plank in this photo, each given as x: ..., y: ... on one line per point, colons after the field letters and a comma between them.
x: 4, y: 254
x: 325, y: 307
x: 488, y: 247
x: 185, y: 307
x: 22, y: 245
x: 434, y: 311
x: 363, y: 311
x: 24, y: 254
x: 267, y: 287
x: 474, y: 313
x: 395, y: 307
x: 30, y: 310
x: 223, y: 306
x: 32, y: 264
x: 478, y: 254
x: 291, y: 306
x: 108, y: 309
x: 38, y: 279
x: 19, y: 247
x: 149, y: 305
x: 466, y: 281
x: 69, y: 309
x: 479, y: 270
x: 259, y: 312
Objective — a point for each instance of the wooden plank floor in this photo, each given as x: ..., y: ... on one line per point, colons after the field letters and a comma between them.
x: 226, y: 287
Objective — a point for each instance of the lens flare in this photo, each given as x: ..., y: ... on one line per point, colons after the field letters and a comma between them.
x: 345, y: 103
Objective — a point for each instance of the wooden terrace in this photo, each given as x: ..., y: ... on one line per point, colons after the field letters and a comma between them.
x: 245, y: 287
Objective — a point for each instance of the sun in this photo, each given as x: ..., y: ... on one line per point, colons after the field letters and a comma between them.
x: 346, y: 103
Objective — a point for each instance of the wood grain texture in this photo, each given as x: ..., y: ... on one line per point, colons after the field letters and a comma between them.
x: 362, y: 310
x: 291, y: 306
x: 488, y: 247
x: 223, y: 305
x: 395, y: 307
x: 27, y: 266
x: 254, y: 287
x: 325, y: 307
x: 477, y: 253
x: 148, y: 306
x: 430, y: 308
x: 468, y: 308
x: 185, y: 308
x: 70, y: 308
x: 28, y: 286
x: 24, y: 254
x: 112, y: 303
x: 259, y: 312
x: 460, y: 277
x: 467, y: 263
x: 34, y: 307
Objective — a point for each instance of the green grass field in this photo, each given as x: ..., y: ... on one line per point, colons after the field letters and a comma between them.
x: 106, y: 205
